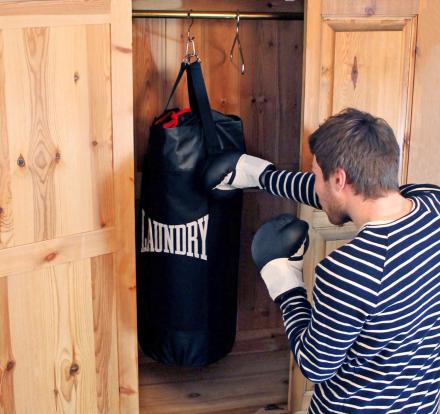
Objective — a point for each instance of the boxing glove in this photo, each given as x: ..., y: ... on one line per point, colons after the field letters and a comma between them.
x: 277, y: 250
x: 224, y: 174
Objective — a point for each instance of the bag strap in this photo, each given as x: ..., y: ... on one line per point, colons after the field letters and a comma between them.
x: 200, y: 105
x: 182, y: 70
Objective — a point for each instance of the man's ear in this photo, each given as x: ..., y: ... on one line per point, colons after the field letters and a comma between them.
x: 339, y: 179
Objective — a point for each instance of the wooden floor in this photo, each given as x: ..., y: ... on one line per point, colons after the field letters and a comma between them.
x: 241, y: 383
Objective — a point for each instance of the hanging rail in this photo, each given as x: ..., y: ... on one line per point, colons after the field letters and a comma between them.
x: 182, y: 14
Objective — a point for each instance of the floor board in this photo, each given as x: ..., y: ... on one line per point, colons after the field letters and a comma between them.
x: 242, y: 383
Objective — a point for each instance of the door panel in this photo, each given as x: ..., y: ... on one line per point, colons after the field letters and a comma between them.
x: 424, y: 157
x: 362, y: 62
x: 68, y: 339
x: 63, y: 128
x: 51, y: 319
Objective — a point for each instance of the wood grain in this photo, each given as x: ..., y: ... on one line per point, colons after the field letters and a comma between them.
x: 408, y: 76
x: 54, y: 7
x: 379, y: 84
x: 47, y: 20
x: 382, y: 85
x: 241, y: 381
x: 48, y: 253
x: 243, y: 5
x: 100, y: 139
x: 260, y: 340
x: 150, y: 81
x: 65, y: 107
x: 370, y: 8
x: 310, y: 116
x: 424, y: 157
x: 42, y: 149
x: 105, y: 332
x: 7, y: 361
x: 52, y: 136
x: 18, y: 91
x: 6, y: 218
x: 234, y: 365
x: 51, y: 320
x: 123, y: 179
x: 82, y: 371
x: 68, y: 87
x: 366, y: 25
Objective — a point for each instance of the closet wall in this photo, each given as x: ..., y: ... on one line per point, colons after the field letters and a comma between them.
x: 268, y: 99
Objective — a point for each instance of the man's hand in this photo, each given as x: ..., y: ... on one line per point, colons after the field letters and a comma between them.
x: 233, y: 170
x: 277, y: 249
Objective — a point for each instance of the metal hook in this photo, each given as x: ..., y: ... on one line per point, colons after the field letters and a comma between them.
x: 189, y: 27
x: 237, y: 40
x: 190, y: 41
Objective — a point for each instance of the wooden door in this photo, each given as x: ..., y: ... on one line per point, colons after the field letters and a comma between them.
x: 357, y: 54
x: 424, y: 156
x: 67, y: 282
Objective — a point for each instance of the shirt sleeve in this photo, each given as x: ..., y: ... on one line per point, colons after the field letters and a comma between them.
x: 298, y: 186
x: 344, y: 295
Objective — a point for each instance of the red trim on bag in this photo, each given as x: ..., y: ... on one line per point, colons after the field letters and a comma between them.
x: 171, y: 118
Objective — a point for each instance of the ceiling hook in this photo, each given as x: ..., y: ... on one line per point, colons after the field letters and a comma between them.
x: 237, y: 41
x: 189, y: 53
x: 189, y: 27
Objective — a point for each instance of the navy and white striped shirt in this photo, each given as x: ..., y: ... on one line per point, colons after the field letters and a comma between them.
x: 371, y: 340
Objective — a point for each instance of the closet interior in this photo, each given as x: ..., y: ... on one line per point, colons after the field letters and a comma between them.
x: 267, y: 97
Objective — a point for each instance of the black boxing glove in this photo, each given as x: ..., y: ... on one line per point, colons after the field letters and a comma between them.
x: 231, y: 171
x: 277, y: 249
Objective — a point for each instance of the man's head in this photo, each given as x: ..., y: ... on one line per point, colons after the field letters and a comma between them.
x: 354, y: 150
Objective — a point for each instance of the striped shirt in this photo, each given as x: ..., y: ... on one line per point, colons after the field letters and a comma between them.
x: 371, y: 339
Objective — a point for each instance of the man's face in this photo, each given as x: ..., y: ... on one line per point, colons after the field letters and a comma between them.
x: 329, y: 198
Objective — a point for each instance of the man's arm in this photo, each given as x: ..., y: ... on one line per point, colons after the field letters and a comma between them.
x: 297, y: 186
x: 344, y: 294
x: 225, y: 173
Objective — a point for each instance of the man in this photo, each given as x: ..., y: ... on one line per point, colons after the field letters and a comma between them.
x: 371, y: 339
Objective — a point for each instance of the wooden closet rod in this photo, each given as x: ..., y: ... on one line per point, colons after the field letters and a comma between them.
x: 181, y: 14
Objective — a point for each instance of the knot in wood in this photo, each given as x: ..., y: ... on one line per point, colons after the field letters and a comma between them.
x: 271, y: 407
x: 50, y: 256
x: 10, y: 365
x: 369, y: 11
x: 194, y: 395
x: 20, y: 161
x: 74, y: 369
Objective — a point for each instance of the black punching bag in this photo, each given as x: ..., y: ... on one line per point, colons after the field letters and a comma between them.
x: 188, y: 243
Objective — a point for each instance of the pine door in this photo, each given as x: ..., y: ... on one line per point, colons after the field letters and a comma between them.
x: 67, y: 281
x: 357, y: 54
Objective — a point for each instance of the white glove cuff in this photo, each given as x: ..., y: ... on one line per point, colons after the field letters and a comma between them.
x: 281, y: 275
x: 248, y: 171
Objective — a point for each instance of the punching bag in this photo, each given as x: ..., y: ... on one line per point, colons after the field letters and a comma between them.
x: 188, y: 243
